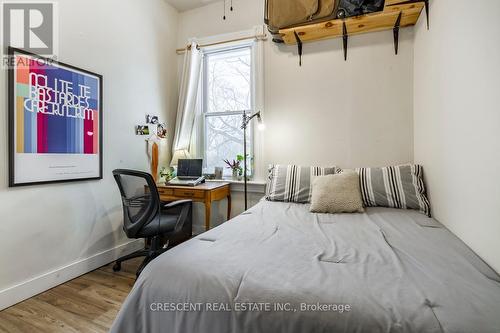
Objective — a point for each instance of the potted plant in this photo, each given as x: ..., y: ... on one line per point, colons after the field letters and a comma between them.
x: 235, y: 166
x: 167, y: 174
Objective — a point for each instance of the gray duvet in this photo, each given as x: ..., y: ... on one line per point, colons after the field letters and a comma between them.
x: 280, y: 268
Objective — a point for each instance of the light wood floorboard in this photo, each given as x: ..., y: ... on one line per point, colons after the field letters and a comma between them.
x: 88, y: 303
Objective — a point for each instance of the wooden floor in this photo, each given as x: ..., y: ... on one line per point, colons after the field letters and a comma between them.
x: 86, y: 304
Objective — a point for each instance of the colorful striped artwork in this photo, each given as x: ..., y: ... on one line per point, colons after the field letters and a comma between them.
x: 56, y: 109
x: 55, y: 121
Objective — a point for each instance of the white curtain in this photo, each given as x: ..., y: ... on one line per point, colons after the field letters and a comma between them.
x: 188, y: 95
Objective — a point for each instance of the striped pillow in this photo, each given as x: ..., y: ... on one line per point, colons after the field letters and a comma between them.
x: 292, y: 183
x: 396, y: 187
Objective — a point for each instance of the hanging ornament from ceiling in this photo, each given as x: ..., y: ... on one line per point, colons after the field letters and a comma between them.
x: 231, y: 8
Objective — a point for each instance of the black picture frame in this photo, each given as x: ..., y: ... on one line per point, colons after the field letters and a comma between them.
x: 12, y: 114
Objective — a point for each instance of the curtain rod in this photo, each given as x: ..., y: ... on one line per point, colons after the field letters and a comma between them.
x: 258, y: 37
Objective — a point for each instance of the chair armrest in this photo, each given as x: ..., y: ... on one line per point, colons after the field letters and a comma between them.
x: 175, y: 204
x: 183, y: 212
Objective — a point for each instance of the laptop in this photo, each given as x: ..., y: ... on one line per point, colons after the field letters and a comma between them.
x: 189, y: 173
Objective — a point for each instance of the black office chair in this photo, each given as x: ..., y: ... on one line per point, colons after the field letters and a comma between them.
x: 145, y: 216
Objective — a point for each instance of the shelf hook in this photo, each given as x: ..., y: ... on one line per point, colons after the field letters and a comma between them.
x: 299, y: 46
x: 427, y: 9
x: 345, y: 38
x: 397, y: 25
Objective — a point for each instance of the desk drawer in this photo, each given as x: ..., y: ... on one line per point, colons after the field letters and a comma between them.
x: 165, y: 191
x: 189, y: 194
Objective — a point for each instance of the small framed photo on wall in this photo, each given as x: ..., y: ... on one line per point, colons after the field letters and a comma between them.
x: 55, y: 121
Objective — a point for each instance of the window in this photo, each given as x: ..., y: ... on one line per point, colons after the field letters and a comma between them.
x: 228, y: 90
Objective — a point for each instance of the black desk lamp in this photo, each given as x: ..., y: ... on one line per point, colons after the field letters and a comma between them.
x: 246, y: 121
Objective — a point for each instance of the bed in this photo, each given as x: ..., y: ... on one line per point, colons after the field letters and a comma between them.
x: 280, y: 268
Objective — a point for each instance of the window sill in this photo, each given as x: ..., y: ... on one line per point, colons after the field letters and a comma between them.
x: 253, y: 186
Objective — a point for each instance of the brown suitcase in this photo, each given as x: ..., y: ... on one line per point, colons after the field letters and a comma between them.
x: 281, y: 14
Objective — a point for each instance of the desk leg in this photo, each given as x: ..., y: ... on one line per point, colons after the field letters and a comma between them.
x: 229, y: 206
x: 208, y: 207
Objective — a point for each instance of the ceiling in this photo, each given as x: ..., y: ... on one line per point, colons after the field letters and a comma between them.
x: 183, y: 5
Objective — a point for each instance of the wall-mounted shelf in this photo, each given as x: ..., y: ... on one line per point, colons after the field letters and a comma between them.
x: 385, y: 20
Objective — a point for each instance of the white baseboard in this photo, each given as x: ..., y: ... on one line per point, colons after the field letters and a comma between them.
x: 39, y: 284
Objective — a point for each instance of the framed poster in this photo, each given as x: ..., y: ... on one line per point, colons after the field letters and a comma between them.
x: 55, y: 121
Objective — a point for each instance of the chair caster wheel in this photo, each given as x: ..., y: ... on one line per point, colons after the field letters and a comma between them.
x: 117, y: 267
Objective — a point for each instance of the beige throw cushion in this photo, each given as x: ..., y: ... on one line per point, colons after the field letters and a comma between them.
x: 338, y: 193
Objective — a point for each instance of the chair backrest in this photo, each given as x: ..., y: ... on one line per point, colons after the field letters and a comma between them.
x: 140, y: 198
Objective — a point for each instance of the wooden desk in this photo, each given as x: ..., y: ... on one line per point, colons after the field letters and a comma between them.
x: 205, y: 193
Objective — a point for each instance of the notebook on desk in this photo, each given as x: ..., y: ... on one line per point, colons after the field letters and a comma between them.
x: 189, y: 173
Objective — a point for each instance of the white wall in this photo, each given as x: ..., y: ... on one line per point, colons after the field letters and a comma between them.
x: 51, y: 233
x: 354, y: 113
x: 457, y: 119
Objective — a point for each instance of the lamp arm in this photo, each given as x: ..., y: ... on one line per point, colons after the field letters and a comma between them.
x: 248, y: 119
x: 256, y: 114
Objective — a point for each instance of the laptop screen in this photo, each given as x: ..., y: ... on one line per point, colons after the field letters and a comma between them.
x: 190, y: 168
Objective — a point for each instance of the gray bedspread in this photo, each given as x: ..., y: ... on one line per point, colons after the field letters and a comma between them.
x: 280, y: 268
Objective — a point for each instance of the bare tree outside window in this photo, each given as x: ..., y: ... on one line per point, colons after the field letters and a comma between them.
x: 227, y: 92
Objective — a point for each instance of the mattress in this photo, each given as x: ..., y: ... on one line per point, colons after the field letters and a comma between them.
x: 280, y: 268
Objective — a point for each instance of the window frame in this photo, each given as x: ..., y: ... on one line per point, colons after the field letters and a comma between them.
x: 251, y: 45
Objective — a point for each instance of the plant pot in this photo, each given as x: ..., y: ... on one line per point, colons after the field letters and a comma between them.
x: 235, y: 175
